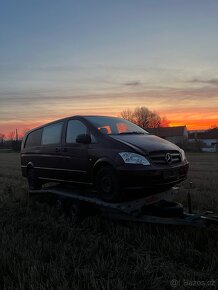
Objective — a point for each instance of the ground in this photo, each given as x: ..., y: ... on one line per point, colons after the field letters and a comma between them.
x: 41, y: 249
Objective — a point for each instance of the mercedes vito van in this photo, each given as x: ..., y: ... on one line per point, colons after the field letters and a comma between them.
x: 110, y: 154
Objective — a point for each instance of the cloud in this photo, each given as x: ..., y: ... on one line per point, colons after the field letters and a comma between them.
x: 32, y: 106
x: 213, y: 82
x: 132, y: 84
x: 171, y: 95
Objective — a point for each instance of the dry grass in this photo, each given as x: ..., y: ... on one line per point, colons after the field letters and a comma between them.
x: 41, y: 249
x: 204, y: 175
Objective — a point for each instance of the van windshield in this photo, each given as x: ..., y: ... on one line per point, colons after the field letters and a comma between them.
x: 115, y: 126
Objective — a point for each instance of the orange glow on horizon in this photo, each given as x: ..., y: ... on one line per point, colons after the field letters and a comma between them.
x: 201, y: 124
x: 195, y: 124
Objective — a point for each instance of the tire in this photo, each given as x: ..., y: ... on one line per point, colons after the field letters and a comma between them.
x: 33, y: 181
x: 107, y: 184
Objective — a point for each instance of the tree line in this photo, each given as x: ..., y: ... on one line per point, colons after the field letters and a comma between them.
x: 12, y: 135
x: 12, y: 140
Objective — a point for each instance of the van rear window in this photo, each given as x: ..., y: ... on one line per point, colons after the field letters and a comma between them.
x: 34, y: 138
x: 52, y: 134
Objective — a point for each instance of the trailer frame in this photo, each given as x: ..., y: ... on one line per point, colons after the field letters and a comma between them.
x: 133, y: 210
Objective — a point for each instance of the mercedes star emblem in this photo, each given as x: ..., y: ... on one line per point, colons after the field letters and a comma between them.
x: 168, y: 158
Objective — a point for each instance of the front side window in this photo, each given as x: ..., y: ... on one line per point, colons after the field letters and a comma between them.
x: 52, y: 134
x: 75, y: 128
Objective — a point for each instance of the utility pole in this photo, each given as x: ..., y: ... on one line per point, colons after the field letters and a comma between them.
x: 16, y: 138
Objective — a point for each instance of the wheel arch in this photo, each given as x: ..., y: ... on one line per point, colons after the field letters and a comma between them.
x: 29, y: 166
x: 103, y: 162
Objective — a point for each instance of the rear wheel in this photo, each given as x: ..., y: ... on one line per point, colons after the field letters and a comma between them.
x: 107, y: 184
x: 33, y: 181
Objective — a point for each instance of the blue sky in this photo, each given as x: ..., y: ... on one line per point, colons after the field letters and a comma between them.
x: 60, y: 58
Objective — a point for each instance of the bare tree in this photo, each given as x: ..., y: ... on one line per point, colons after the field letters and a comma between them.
x: 11, y: 136
x: 143, y: 117
x: 128, y: 115
x: 164, y: 122
x: 2, y: 138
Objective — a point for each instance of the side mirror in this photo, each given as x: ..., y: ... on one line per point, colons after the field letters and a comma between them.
x: 83, y: 138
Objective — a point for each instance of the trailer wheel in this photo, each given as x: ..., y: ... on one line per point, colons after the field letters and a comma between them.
x: 107, y: 184
x: 33, y: 181
x: 164, y: 208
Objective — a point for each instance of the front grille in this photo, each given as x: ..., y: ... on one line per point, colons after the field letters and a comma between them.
x: 160, y: 157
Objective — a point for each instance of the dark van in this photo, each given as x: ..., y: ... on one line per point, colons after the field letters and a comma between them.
x: 108, y: 153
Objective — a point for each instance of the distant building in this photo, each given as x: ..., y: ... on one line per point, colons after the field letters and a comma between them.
x: 177, y: 135
x: 209, y: 139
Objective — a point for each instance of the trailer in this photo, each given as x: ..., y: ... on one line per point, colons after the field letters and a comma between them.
x: 153, y: 209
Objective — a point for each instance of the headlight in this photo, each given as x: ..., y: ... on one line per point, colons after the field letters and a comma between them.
x: 133, y: 158
x: 183, y: 157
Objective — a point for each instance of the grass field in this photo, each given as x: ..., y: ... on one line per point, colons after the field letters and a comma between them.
x: 41, y: 249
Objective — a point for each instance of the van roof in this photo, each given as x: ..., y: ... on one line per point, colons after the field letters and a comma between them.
x: 63, y: 119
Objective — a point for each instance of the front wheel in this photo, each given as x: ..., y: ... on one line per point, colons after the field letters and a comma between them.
x: 107, y: 184
x: 33, y: 181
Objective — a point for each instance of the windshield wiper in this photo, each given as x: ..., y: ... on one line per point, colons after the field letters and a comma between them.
x: 133, y: 132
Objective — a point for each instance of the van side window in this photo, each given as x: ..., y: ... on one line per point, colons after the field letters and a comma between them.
x: 52, y: 134
x: 75, y: 128
x: 34, y: 139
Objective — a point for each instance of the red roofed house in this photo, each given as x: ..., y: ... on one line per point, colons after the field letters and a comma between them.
x: 177, y: 135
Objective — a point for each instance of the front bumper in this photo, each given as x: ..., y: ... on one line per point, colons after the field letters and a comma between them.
x: 152, y: 177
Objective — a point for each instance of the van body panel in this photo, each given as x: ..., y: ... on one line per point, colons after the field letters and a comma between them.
x: 50, y: 162
x: 147, y: 143
x: 76, y: 162
x: 70, y: 161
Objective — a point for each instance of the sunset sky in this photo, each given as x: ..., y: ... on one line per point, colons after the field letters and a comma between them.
x: 61, y: 58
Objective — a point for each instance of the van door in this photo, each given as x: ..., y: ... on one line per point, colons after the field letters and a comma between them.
x: 51, y: 157
x: 76, y: 154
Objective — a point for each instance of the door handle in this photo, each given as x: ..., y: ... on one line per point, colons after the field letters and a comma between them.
x: 57, y: 149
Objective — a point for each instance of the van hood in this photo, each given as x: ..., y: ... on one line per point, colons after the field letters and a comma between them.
x: 146, y: 143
